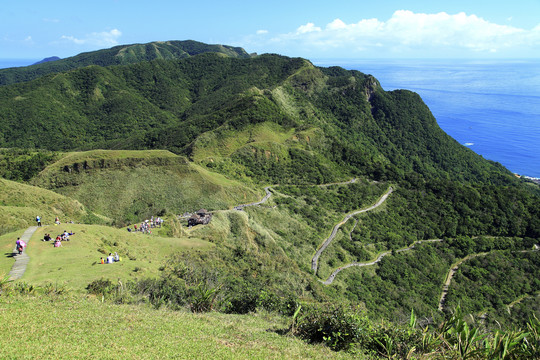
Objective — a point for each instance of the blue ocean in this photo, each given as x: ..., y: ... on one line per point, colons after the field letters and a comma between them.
x: 7, y: 63
x: 492, y: 107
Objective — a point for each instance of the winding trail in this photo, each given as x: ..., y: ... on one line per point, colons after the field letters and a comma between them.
x: 373, y: 262
x: 353, y: 180
x: 269, y: 193
x: 263, y: 200
x: 19, y: 267
x: 315, y: 259
x: 451, y: 274
x: 455, y: 268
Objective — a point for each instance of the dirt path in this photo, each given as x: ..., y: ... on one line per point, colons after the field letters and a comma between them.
x: 268, y: 193
x: 451, y: 274
x: 315, y: 259
x: 373, y: 262
x: 19, y: 267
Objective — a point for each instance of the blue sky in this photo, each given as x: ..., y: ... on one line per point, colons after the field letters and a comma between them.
x: 312, y: 29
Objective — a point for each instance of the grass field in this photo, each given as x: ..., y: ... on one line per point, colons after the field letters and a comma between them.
x: 20, y: 204
x: 141, y: 184
x: 76, y: 263
x: 82, y: 328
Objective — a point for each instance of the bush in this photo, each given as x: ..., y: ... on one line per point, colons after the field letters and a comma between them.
x: 335, y: 326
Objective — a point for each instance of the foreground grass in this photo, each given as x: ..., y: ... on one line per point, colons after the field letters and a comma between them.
x: 76, y: 263
x: 63, y: 328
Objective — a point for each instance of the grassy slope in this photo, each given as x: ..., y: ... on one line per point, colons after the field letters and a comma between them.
x: 141, y: 182
x: 20, y: 204
x: 76, y: 263
x: 86, y: 329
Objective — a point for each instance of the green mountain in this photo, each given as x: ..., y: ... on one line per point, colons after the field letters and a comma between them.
x: 346, y: 119
x: 368, y: 202
x: 118, y: 55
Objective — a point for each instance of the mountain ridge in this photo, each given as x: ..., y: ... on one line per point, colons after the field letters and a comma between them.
x: 118, y: 55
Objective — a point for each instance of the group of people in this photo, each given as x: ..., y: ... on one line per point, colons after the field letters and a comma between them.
x: 111, y: 259
x: 59, y: 238
x: 146, y: 226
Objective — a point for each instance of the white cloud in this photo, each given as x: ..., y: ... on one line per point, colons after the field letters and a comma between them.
x: 105, y: 38
x: 407, y: 32
x: 262, y: 32
x: 308, y: 28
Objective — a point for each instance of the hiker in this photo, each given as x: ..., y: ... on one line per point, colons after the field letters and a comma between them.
x: 116, y: 257
x: 110, y: 259
x: 57, y: 220
x: 19, y: 245
x: 38, y: 220
x: 102, y: 261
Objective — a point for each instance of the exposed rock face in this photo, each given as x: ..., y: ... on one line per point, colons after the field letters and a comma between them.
x: 371, y: 86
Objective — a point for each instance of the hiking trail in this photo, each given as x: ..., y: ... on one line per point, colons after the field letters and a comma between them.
x: 373, y: 262
x: 19, y: 267
x: 315, y: 259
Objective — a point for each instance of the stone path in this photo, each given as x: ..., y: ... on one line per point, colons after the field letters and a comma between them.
x: 263, y: 200
x: 453, y: 269
x: 315, y: 259
x: 19, y: 267
x: 369, y: 263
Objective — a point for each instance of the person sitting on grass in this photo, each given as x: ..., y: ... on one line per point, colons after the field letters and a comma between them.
x: 110, y: 259
x: 116, y: 257
x: 57, y: 243
x: 47, y: 237
x: 65, y: 235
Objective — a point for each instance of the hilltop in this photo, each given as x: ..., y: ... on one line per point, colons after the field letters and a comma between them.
x: 118, y: 55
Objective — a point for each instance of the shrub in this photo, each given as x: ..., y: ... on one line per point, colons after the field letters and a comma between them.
x: 335, y: 326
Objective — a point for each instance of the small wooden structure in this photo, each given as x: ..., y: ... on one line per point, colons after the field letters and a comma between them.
x: 201, y: 217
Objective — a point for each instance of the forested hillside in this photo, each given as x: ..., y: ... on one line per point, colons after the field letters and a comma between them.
x: 122, y: 54
x: 396, y: 202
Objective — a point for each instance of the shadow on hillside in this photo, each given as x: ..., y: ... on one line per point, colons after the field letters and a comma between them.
x: 10, y: 254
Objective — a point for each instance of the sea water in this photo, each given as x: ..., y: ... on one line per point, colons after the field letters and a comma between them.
x: 8, y: 63
x: 490, y: 106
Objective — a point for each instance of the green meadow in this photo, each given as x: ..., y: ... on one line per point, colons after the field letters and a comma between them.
x: 77, y: 262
